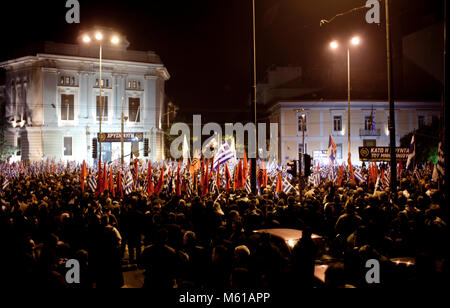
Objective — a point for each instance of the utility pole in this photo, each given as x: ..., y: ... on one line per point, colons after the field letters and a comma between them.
x: 253, y: 160
x: 391, y: 122
x: 121, y: 135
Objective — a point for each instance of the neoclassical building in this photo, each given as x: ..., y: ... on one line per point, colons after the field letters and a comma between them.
x: 51, y: 100
x: 321, y: 118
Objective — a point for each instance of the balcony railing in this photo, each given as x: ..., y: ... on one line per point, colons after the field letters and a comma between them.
x: 370, y: 132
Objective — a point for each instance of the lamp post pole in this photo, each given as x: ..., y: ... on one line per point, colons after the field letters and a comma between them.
x: 348, y: 105
x: 253, y: 160
x: 121, y: 135
x: 101, y: 104
x: 391, y: 121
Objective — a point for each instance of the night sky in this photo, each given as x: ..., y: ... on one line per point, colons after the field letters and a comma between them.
x: 206, y: 44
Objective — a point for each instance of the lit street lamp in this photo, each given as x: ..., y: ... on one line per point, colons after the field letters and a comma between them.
x: 335, y: 45
x: 99, y: 38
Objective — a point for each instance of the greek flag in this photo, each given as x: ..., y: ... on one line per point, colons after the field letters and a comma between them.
x: 411, y: 155
x: 332, y: 150
x: 314, y: 179
x: 287, y: 187
x: 92, y: 182
x: 223, y: 155
x: 386, y: 181
x: 5, y: 183
x: 248, y: 187
x: 128, y: 183
x: 359, y: 176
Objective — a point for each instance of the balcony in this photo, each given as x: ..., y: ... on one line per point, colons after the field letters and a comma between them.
x: 369, y: 132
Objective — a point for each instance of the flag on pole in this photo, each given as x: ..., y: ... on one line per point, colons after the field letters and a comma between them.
x: 411, y: 155
x: 359, y: 176
x: 119, y: 184
x: 287, y: 187
x: 92, y: 182
x: 223, y: 155
x: 128, y: 183
x: 186, y: 151
x: 332, y: 150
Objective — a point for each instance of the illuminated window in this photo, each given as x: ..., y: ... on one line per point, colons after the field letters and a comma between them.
x: 337, y: 123
x: 368, y: 123
x: 134, y: 106
x: 67, y: 146
x: 104, y: 107
x: 67, y: 107
x: 302, y: 123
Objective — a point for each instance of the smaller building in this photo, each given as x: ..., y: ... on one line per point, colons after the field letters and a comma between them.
x: 320, y: 118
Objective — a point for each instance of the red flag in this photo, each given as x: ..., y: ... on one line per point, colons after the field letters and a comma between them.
x: 245, y: 168
x: 218, y: 178
x: 178, y: 182
x: 227, y: 177
x: 206, y: 182
x: 111, y: 182
x: 83, y: 175
x: 119, y: 184
x: 160, y: 184
x: 279, y: 187
x: 150, y: 188
x: 106, y: 183
x: 53, y: 167
x: 238, y: 181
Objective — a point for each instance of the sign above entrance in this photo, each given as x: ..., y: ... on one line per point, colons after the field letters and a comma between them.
x: 116, y: 137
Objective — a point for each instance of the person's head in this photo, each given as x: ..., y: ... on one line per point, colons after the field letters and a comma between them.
x: 162, y: 236
x: 189, y: 239
x: 335, y: 276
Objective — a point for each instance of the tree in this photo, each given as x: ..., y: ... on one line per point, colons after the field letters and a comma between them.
x: 6, y: 150
x: 426, y: 140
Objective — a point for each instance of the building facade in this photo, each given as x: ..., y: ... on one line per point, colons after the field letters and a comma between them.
x: 368, y: 125
x: 52, y: 102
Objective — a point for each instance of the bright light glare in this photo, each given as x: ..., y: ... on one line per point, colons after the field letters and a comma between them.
x: 334, y: 45
x: 115, y: 40
x: 356, y: 40
x: 98, y: 36
x: 291, y: 243
x: 86, y: 39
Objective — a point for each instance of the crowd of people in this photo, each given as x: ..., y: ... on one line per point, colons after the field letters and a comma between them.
x: 188, y: 243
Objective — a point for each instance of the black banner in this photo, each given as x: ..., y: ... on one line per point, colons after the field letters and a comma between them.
x: 115, y: 137
x: 381, y: 154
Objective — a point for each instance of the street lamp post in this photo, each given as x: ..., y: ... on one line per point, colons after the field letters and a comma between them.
x: 114, y: 40
x: 253, y: 160
x: 334, y: 45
